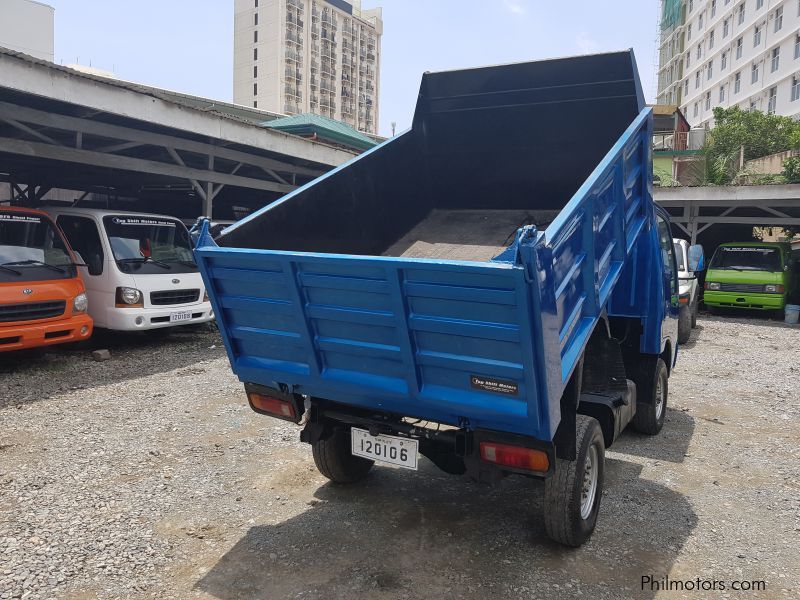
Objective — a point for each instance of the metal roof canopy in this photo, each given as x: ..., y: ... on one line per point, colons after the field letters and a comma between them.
x: 695, y: 209
x: 60, y: 128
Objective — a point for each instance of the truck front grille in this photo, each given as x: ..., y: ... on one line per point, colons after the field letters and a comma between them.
x: 31, y: 311
x: 753, y: 288
x: 174, y: 297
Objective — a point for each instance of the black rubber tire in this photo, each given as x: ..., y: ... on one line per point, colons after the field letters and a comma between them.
x: 684, y: 324
x: 562, y: 490
x: 646, y: 420
x: 335, y: 460
x: 695, y: 310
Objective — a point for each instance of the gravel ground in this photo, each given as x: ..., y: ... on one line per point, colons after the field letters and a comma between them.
x: 148, y: 477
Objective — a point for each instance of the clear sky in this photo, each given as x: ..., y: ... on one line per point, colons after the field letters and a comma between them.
x: 187, y: 45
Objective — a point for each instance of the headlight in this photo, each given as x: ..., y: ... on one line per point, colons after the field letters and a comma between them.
x: 205, y: 296
x: 774, y: 289
x: 713, y: 286
x: 128, y: 297
x: 80, y: 303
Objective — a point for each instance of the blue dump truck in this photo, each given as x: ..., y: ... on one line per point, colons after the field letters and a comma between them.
x: 493, y: 289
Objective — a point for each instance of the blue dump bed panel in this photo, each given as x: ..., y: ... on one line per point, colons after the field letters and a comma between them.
x: 303, y: 297
x: 440, y: 341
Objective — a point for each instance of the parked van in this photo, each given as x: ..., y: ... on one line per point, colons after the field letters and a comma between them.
x: 690, y: 261
x: 755, y: 275
x: 42, y: 298
x: 140, y: 273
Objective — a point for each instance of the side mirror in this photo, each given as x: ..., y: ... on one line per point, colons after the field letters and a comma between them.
x: 697, y: 258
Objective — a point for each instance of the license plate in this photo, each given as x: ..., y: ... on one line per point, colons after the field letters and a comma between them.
x: 401, y: 452
x: 177, y: 317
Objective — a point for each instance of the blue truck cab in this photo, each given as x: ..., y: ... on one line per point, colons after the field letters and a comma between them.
x: 493, y: 289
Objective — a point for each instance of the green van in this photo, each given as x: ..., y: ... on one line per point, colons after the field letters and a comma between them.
x: 756, y: 275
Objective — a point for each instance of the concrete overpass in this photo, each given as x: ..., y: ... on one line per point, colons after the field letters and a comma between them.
x: 142, y: 147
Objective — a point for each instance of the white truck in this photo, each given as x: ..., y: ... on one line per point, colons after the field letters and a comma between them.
x: 688, y: 290
x: 138, y: 268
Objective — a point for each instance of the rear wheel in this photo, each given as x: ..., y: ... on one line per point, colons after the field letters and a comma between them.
x: 572, y: 494
x: 651, y: 397
x: 334, y: 459
x: 684, y: 324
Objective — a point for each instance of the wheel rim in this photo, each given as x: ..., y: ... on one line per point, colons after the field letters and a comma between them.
x: 659, y: 398
x: 589, y: 490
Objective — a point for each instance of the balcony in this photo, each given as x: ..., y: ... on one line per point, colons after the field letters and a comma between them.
x: 679, y: 141
x: 297, y: 4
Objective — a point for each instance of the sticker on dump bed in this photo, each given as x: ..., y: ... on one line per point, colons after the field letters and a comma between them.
x: 141, y: 221
x: 20, y: 218
x: 496, y: 386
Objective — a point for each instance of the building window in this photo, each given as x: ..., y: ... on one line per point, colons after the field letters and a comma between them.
x: 726, y: 27
x: 689, y: 33
x: 710, y: 40
x: 255, y: 19
x: 255, y: 89
x: 776, y: 58
x: 739, y: 45
x: 754, y: 74
x: 697, y: 80
x: 759, y: 4
x: 700, y: 21
x: 255, y: 104
x: 255, y: 71
x: 797, y: 46
x: 722, y: 93
x: 255, y: 36
x: 695, y: 108
x: 737, y: 83
x: 795, y: 88
x: 256, y: 3
x: 713, y: 8
x: 708, y: 100
x: 255, y: 53
x: 773, y: 100
x: 691, y: 5
x: 741, y: 13
x: 757, y: 35
x: 686, y: 88
x: 699, y: 51
x: 778, y: 18
x: 723, y: 61
x: 710, y: 70
x: 688, y: 59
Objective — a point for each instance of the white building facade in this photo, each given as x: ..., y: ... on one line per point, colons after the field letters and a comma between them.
x: 318, y: 56
x: 28, y: 27
x: 728, y: 53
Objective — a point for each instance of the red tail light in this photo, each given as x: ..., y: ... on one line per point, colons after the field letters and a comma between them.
x: 274, y: 406
x: 516, y: 457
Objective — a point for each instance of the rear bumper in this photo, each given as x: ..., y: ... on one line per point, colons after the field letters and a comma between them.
x: 142, y: 319
x: 21, y: 337
x: 737, y: 300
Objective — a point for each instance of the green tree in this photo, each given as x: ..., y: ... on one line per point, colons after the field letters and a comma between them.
x: 760, y: 134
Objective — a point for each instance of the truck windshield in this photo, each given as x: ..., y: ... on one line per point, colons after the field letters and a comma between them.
x: 747, y: 258
x: 143, y: 244
x: 32, y: 249
x: 680, y: 258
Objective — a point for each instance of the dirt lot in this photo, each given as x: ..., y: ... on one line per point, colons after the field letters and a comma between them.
x: 148, y: 477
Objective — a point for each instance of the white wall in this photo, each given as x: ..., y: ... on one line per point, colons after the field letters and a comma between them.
x: 27, y: 26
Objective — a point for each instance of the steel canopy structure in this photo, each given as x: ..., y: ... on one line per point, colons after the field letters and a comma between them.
x: 62, y: 128
x: 695, y: 209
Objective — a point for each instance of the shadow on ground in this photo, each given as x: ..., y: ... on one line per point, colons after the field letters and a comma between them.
x: 40, y: 374
x: 427, y: 535
x: 672, y: 444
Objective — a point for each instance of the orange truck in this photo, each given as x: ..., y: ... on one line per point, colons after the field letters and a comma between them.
x: 42, y: 297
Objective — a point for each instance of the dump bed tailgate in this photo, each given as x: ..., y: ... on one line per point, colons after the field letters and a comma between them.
x: 447, y: 341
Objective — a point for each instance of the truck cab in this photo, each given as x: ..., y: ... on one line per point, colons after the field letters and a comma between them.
x: 751, y: 275
x: 139, y: 270
x: 42, y: 297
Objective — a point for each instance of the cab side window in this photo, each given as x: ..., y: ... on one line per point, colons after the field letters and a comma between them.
x: 668, y: 254
x: 82, y: 235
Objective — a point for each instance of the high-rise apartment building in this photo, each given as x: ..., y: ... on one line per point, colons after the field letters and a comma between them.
x: 27, y: 26
x: 728, y: 53
x: 318, y: 56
